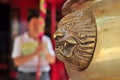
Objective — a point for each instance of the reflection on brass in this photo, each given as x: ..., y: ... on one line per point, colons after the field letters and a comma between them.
x: 73, y: 5
x: 76, y: 39
x: 88, y: 56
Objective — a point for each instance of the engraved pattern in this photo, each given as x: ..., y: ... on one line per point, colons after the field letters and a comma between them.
x: 76, y: 39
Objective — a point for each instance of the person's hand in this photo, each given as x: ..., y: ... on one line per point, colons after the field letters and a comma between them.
x: 45, y: 50
x: 39, y: 50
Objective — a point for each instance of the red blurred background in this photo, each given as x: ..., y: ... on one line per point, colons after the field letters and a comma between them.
x: 20, y: 9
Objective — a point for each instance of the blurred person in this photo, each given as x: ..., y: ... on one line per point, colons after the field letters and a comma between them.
x: 15, y: 24
x: 27, y: 48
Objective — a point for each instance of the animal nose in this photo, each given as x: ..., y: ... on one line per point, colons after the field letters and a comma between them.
x: 58, y: 34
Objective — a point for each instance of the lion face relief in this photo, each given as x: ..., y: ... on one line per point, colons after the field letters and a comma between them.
x: 76, y: 39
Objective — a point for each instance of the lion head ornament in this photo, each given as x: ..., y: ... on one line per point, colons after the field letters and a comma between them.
x: 90, y: 52
x: 76, y: 39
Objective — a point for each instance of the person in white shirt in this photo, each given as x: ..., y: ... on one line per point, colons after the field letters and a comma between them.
x: 27, y: 48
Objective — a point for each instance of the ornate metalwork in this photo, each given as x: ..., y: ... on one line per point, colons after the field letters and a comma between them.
x: 73, y: 37
x: 76, y: 39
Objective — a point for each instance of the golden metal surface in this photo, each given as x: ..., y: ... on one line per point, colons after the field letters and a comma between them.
x: 105, y: 64
x: 106, y: 61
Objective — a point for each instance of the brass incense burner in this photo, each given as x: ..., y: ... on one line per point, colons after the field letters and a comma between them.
x: 88, y: 39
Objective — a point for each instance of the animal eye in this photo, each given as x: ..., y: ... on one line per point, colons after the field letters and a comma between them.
x: 65, y: 44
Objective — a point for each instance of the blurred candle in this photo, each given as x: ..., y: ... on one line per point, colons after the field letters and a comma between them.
x: 43, y: 9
